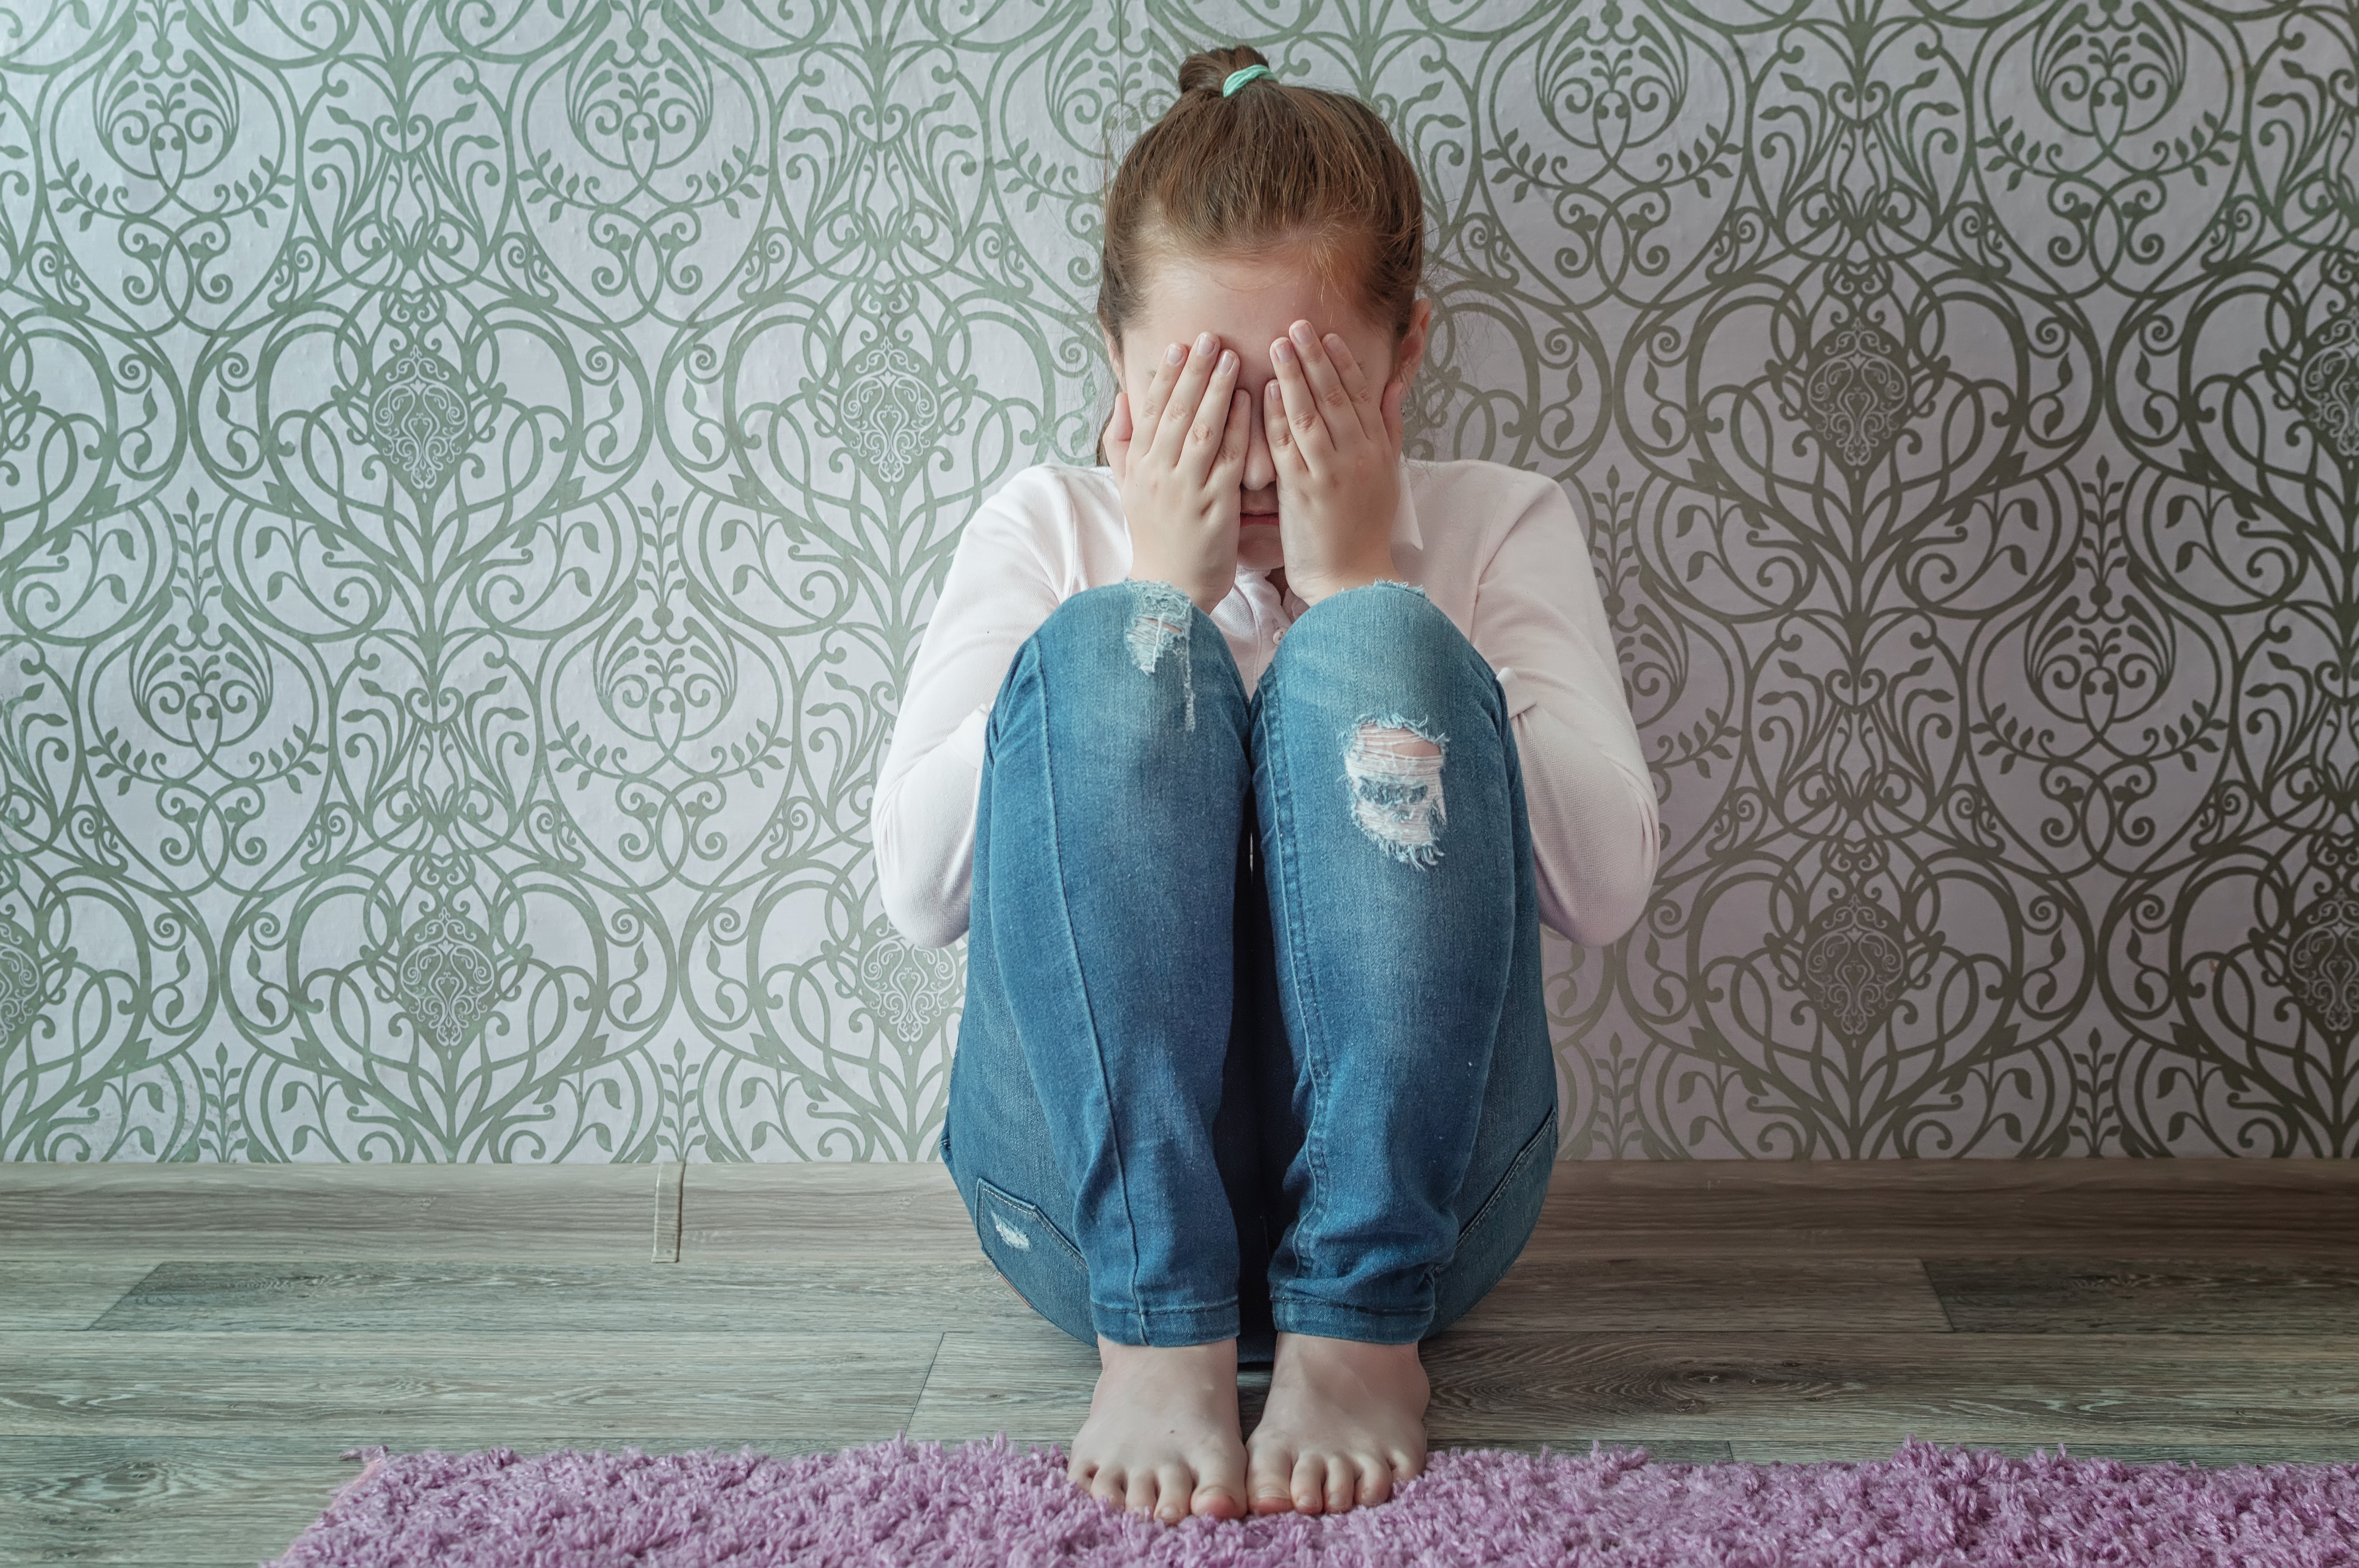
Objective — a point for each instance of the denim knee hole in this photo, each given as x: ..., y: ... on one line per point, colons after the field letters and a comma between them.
x: 1159, y: 625
x: 1392, y: 767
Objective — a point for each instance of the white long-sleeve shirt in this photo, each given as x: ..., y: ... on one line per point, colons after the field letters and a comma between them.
x: 1497, y: 549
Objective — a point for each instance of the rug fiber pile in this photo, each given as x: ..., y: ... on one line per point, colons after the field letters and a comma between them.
x: 984, y: 1505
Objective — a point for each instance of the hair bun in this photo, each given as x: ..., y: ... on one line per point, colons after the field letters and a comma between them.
x: 1210, y: 68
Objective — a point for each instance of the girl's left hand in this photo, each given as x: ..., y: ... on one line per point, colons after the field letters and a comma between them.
x: 1336, y: 441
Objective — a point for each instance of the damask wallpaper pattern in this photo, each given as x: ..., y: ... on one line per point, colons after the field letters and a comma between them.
x: 474, y: 474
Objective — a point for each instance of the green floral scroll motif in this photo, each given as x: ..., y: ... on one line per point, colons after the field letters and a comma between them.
x: 475, y: 477
x: 411, y: 403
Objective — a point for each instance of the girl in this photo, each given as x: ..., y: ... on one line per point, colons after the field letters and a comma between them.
x: 1250, y: 763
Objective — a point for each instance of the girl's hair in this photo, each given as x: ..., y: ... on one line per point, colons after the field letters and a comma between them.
x: 1265, y: 165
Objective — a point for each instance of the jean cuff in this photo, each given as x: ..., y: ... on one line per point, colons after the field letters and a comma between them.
x: 1331, y: 1320
x: 1166, y: 1327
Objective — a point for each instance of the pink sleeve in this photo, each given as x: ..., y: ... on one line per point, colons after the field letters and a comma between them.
x: 1540, y: 620
x: 999, y: 590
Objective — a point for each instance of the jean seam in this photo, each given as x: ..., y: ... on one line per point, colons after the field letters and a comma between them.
x: 1514, y: 1168
x: 1177, y: 1309
x: 1297, y: 977
x: 1349, y: 1309
x: 1072, y: 948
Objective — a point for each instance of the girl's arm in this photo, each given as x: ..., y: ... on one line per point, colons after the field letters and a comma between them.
x: 1540, y: 620
x: 999, y: 590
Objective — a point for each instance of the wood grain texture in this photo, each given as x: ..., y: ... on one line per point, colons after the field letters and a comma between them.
x: 549, y: 1212
x: 189, y: 1502
x: 852, y: 1213
x: 1880, y: 1387
x: 1632, y: 1294
x: 65, y: 1293
x: 2031, y: 1295
x: 2288, y: 1209
x: 925, y: 1293
x: 186, y: 1351
x: 475, y: 1392
x: 218, y: 1501
x: 919, y: 1296
x: 1573, y: 1386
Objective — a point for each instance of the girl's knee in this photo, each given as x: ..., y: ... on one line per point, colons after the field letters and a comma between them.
x: 1124, y: 643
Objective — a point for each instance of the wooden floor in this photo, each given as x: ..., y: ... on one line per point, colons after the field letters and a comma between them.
x: 185, y: 1351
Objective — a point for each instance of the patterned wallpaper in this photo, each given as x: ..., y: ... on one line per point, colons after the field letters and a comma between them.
x: 474, y: 474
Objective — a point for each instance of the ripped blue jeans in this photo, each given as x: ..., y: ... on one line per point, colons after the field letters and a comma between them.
x: 1255, y: 1037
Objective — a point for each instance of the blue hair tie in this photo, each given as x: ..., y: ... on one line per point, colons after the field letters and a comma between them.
x: 1239, y: 77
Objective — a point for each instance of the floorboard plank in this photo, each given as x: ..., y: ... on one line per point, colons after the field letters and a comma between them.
x: 589, y: 1212
x: 1708, y: 1294
x: 2290, y: 1209
x: 1568, y: 1388
x: 2032, y: 1295
x: 1880, y: 1387
x: 587, y: 1389
x: 851, y: 1213
x: 466, y: 1297
x: 197, y: 1501
x: 65, y: 1293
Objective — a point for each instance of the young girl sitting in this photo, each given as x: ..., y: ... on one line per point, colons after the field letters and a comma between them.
x: 1250, y: 764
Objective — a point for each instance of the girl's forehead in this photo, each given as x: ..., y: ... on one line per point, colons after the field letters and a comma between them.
x: 1245, y: 295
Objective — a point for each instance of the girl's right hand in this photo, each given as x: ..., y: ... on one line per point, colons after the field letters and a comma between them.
x: 1179, y: 467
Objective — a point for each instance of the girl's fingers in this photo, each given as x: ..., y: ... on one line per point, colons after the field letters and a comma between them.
x: 1236, y: 438
x: 1149, y: 413
x: 1213, y: 411
x: 1355, y: 382
x: 1305, y: 426
x: 1335, y: 402
x: 1278, y: 432
x: 1187, y: 393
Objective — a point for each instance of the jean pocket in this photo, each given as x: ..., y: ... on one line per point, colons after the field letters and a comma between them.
x: 1034, y: 1255
x: 1489, y: 1244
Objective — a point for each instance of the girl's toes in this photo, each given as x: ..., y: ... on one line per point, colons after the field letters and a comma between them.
x: 1217, y: 1499
x: 1139, y: 1495
x: 1106, y: 1486
x: 1310, y: 1484
x: 1343, y: 1483
x: 1375, y: 1481
x: 1270, y: 1481
x: 1172, y: 1486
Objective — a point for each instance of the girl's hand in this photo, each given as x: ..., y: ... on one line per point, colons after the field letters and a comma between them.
x: 1180, y: 470
x: 1336, y: 440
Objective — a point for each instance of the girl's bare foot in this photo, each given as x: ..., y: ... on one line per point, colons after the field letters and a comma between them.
x: 1162, y: 1434
x: 1344, y: 1421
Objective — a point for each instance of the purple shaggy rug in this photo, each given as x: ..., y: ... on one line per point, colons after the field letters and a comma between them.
x: 990, y: 1503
